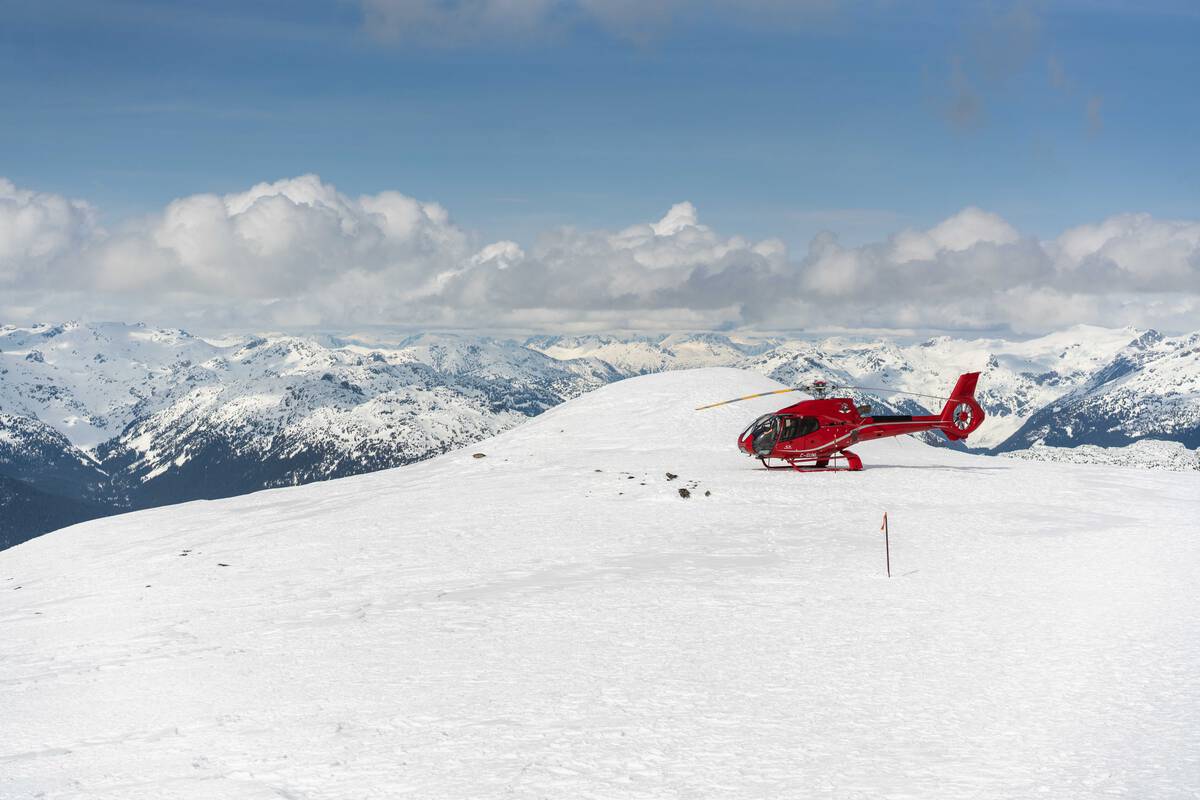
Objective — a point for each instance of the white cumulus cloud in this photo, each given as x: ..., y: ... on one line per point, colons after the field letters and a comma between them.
x: 299, y: 252
x: 37, y: 229
x: 960, y: 232
x: 1133, y: 251
x: 283, y: 238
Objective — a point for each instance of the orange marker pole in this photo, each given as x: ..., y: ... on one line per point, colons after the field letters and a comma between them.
x: 887, y: 545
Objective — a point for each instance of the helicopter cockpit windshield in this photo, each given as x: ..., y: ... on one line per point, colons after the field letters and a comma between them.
x: 770, y: 429
x: 761, y: 433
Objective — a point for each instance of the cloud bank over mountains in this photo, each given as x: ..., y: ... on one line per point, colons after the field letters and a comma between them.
x: 299, y: 253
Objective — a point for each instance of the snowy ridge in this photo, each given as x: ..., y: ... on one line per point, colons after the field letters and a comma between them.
x: 1144, y: 454
x: 555, y: 620
x: 641, y: 355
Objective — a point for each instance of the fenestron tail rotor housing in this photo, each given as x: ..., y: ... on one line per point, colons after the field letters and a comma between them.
x: 963, y: 416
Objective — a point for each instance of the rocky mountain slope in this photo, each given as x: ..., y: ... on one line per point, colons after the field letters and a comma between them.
x: 128, y: 417
x: 1149, y: 390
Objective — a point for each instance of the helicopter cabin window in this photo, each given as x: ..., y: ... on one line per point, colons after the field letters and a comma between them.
x: 795, y: 427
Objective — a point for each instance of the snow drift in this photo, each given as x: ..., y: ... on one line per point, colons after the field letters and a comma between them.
x: 553, y: 619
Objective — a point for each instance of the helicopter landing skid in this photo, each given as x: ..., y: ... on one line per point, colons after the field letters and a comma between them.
x: 822, y: 464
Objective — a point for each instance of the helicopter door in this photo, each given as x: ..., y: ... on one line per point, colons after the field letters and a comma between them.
x: 796, y: 427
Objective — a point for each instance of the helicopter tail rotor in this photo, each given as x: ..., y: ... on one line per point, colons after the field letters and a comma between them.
x: 962, y: 414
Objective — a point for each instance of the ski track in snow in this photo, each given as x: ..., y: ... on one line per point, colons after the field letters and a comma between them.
x: 554, y: 620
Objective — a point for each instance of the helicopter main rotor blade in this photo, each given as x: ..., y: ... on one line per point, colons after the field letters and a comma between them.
x: 824, y: 387
x: 749, y: 397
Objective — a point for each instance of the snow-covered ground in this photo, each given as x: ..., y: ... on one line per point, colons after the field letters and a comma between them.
x: 555, y: 620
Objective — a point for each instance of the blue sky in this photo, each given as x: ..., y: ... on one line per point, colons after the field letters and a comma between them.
x: 836, y: 117
x: 776, y: 120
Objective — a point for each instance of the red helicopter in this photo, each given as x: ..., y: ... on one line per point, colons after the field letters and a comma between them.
x: 812, y: 434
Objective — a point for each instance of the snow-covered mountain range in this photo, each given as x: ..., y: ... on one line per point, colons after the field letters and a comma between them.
x: 130, y: 417
x: 99, y: 418
x: 556, y: 620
